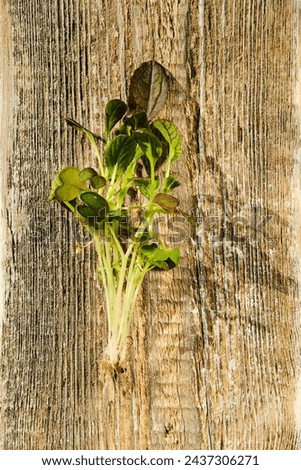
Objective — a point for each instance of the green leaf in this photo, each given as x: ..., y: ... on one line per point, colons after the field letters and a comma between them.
x: 56, y: 182
x: 95, y: 210
x: 137, y: 121
x: 153, y: 253
x: 144, y: 185
x: 148, y: 88
x: 167, y: 202
x: 150, y: 145
x: 71, y: 185
x: 174, y: 256
x: 140, y: 181
x: 96, y: 202
x: 169, y: 184
x: 92, y: 216
x: 115, y: 110
x: 78, y: 127
x: 98, y: 182
x: 172, y: 136
x: 161, y: 265
x: 121, y: 152
x: 86, y: 211
x: 87, y: 173
x: 163, y: 257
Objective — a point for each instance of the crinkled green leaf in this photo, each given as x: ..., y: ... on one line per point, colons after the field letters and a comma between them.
x: 167, y: 202
x: 71, y: 185
x: 169, y: 184
x: 115, y: 110
x: 121, y: 152
x: 148, y: 88
x: 172, y: 136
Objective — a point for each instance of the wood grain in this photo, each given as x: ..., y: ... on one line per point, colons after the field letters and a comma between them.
x: 213, y: 356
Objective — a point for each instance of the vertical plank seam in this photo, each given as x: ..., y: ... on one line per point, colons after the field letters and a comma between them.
x: 6, y: 98
x: 296, y: 213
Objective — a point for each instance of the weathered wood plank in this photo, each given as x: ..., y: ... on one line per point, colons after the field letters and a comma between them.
x: 6, y: 139
x: 213, y: 354
x: 248, y: 285
x: 296, y: 209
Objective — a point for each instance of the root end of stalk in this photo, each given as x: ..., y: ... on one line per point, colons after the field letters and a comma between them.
x: 114, y: 357
x: 111, y: 366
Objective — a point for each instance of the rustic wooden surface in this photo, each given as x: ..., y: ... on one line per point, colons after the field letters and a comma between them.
x: 214, y: 354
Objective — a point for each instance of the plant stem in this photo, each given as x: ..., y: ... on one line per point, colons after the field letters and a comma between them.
x: 94, y: 145
x: 121, y: 288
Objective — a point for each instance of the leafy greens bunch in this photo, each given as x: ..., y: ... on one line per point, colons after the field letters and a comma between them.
x: 135, y: 158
